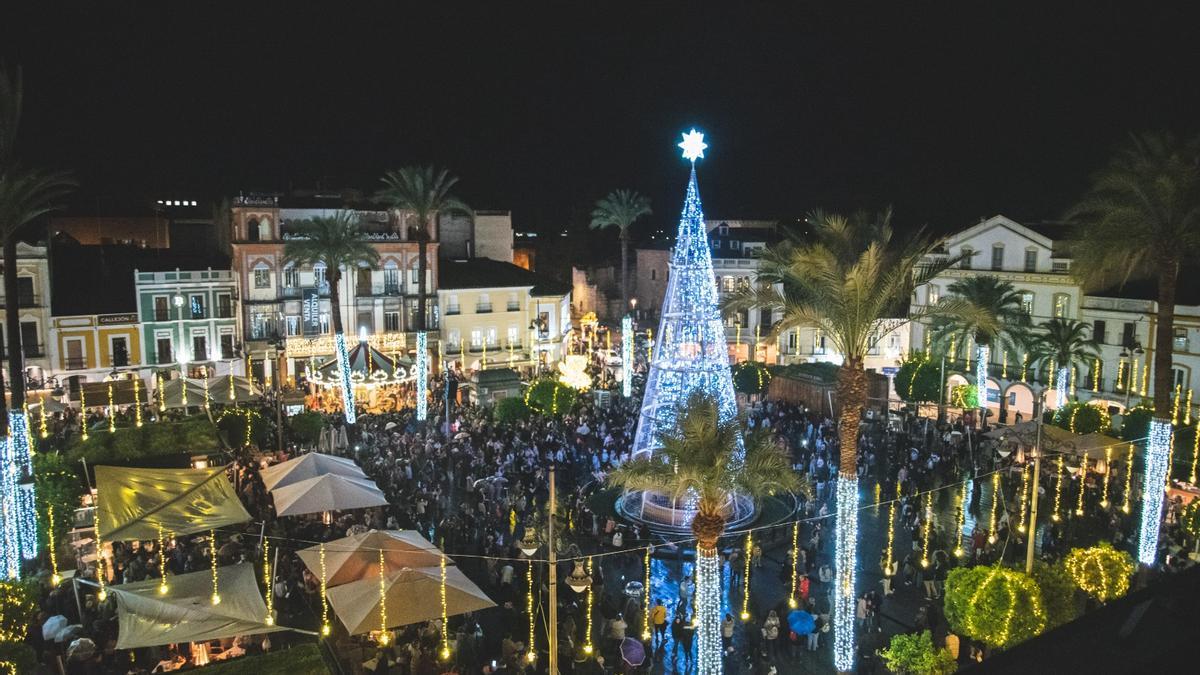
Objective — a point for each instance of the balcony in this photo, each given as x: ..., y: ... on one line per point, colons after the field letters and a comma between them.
x: 451, y: 310
x: 483, y: 308
x: 290, y: 291
x: 120, y: 360
x: 513, y: 307
x: 377, y: 290
x: 24, y: 300
x: 33, y: 350
x: 75, y: 363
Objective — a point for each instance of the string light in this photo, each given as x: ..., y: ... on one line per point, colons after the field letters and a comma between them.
x: 162, y: 565
x: 1024, y: 498
x: 1058, y: 490
x: 383, y: 625
x: 422, y: 385
x: 112, y: 411
x: 846, y: 539
x: 162, y: 396
x: 1051, y: 373
x: 232, y: 391
x: 982, y: 354
x: 42, y: 414
x: 445, y: 619
x: 339, y: 341
x: 1152, y: 491
x: 83, y: 415
x: 531, y: 653
x: 649, y: 345
x: 183, y: 399
x: 324, y: 599
x: 627, y: 356
x: 792, y: 601
x: 1012, y: 582
x: 1128, y: 479
x: 52, y: 544
x: 1025, y: 367
x: 1100, y: 571
x: 250, y: 362
x: 961, y: 521
x: 891, y: 549
x: 1187, y: 408
x: 1003, y: 364
x: 207, y: 398
x: 1082, y: 484
x: 878, y: 491
x: 1108, y: 469
x: 1074, y: 371
x: 587, y: 630
x: 483, y: 358
x: 1195, y: 454
x: 646, y: 635
x: 22, y: 516
x: 995, y: 507
x: 1096, y: 375
x: 928, y: 529
x: 746, y: 577
x: 1133, y: 375
x: 216, y: 597
x: 1121, y: 365
x: 137, y: 401
x: 1175, y: 403
x: 270, y: 621
x: 707, y: 616
x: 101, y: 594
x: 1145, y: 377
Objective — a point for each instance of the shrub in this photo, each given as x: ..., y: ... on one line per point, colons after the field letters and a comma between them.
x: 57, y: 486
x: 751, y: 377
x: 1058, y: 593
x: 306, y: 427
x: 1081, y: 418
x: 191, y: 436
x: 1136, y: 423
x: 550, y: 397
x: 1190, y: 518
x: 18, y: 656
x: 510, y: 410
x: 1101, y: 571
x: 909, y: 654
x: 17, y: 607
x: 964, y: 396
x: 995, y: 605
x: 243, y: 426
x: 918, y: 380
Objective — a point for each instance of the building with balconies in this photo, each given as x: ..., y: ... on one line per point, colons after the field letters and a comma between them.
x: 33, y: 299
x: 189, y: 314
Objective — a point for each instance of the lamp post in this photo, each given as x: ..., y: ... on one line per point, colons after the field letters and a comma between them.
x: 529, y: 546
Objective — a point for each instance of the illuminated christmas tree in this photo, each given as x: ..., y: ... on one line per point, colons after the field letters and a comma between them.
x: 691, y: 352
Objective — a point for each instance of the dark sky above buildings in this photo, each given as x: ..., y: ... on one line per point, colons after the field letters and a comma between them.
x: 950, y: 112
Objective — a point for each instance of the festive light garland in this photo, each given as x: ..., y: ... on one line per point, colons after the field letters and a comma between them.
x: 137, y: 401
x: 445, y: 619
x: 1120, y: 373
x: 1195, y: 454
x: 846, y: 537
x: 1058, y: 481
x: 646, y: 635
x: 162, y: 395
x: 1065, y: 380
x: 1012, y: 581
x: 928, y: 530
x: 1074, y: 371
x: 627, y: 356
x: 982, y: 354
x: 746, y: 577
x: 1108, y: 469
x: 1025, y: 367
x: 649, y: 345
x: 1082, y: 485
x: 1187, y: 408
x: 207, y: 397
x: 1090, y: 570
x: 23, y: 517
x: 1128, y: 479
x: 961, y: 521
x: 339, y: 341
x: 1096, y: 375
x: 1024, y: 498
x: 383, y: 625
x: 587, y: 629
x: 51, y: 544
x: 216, y: 596
x: 162, y: 564
x: 1145, y: 377
x: 422, y: 376
x: 183, y: 399
x: 325, y: 628
x: 1003, y: 364
x: 707, y: 617
x: 101, y: 594
x: 83, y: 415
x: 1175, y: 403
x: 878, y: 497
x: 792, y: 601
x: 530, y: 652
x: 232, y: 390
x: 995, y: 507
x: 891, y: 533
x: 112, y: 411
x: 45, y: 431
x: 1050, y: 373
x: 1152, y: 491
x: 270, y: 620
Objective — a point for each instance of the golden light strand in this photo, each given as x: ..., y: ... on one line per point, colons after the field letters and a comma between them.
x: 324, y: 600
x: 112, y: 411
x: 1107, y: 474
x: 162, y: 397
x: 928, y: 529
x: 1133, y: 375
x: 83, y: 414
x: 102, y: 594
x: 1073, y: 371
x: 483, y: 358
x: 383, y: 627
x: 1175, y: 404
x: 51, y: 543
x: 587, y: 630
x: 792, y: 602
x: 216, y: 597
x: 1096, y: 375
x: 1187, y: 408
x: 1082, y: 483
x: 1195, y: 453
x: 746, y: 577
x: 1170, y: 460
x: 46, y: 431
x: 891, y: 533
x: 1024, y: 498
x: 1003, y: 364
x: 137, y: 401
x: 232, y: 393
x: 961, y: 521
x: 250, y: 371
x: 207, y: 398
x: 530, y: 652
x: 1050, y: 385
x: 1025, y: 367
x: 162, y: 563
x: 878, y: 491
x: 1145, y: 377
x: 646, y: 635
x: 183, y: 389
x: 1058, y: 490
x: 445, y: 617
x: 1121, y: 365
x: 1128, y: 479
x: 271, y: 596
x: 995, y: 507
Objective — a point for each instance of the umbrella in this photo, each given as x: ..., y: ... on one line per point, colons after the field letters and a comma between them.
x: 81, y: 649
x: 801, y: 622
x: 330, y: 492
x: 53, y: 626
x: 389, y: 426
x: 461, y: 435
x: 357, y: 556
x: 410, y: 595
x: 52, y: 405
x: 633, y: 652
x: 309, y: 465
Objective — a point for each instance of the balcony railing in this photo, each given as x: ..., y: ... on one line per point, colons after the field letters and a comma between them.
x: 33, y: 350
x: 483, y: 308
x: 23, y: 300
x: 120, y: 360
x: 225, y: 312
x: 453, y: 309
x: 75, y: 363
x: 514, y: 307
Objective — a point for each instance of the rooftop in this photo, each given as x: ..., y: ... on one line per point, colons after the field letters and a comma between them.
x: 488, y: 273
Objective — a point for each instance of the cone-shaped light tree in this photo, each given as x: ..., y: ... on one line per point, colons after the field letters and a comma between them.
x: 338, y: 243
x: 702, y: 460
x: 850, y: 279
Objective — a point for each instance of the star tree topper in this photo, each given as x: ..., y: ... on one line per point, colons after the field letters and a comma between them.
x: 693, y: 146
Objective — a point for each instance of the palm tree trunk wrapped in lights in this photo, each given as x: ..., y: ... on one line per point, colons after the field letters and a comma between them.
x: 701, y: 459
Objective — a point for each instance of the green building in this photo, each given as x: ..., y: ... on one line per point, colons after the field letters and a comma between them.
x: 190, y: 313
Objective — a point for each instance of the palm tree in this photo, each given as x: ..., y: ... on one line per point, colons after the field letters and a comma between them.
x: 1060, y: 344
x: 997, y: 319
x: 699, y: 461
x: 847, y: 279
x: 25, y: 196
x: 621, y: 209
x: 337, y: 242
x: 424, y: 192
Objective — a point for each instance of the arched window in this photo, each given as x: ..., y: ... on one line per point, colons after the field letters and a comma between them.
x: 252, y: 229
x: 1062, y: 305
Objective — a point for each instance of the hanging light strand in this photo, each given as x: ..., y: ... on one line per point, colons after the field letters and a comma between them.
x: 1024, y: 498
x: 162, y: 563
x: 793, y: 602
x: 383, y: 626
x: 445, y: 617
x: 137, y: 401
x: 746, y: 577
x: 646, y: 635
x: 1057, y: 490
x: 102, y: 594
x: 1108, y: 469
x: 530, y: 652
x: 324, y: 599
x: 928, y: 529
x: 112, y: 411
x: 1128, y: 479
x: 995, y: 507
x: 216, y: 580
x: 891, y: 549
x: 1082, y: 484
x: 83, y: 416
x: 267, y: 582
x: 50, y: 541
x: 45, y: 431
x: 587, y: 629
x: 960, y: 522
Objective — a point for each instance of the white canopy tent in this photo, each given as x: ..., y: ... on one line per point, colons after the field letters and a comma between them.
x: 218, y: 391
x: 309, y: 465
x: 357, y: 557
x: 139, y: 503
x: 330, y: 492
x: 411, y: 595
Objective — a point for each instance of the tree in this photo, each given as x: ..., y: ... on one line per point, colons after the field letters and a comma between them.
x: 510, y: 410
x: 846, y: 280
x: 1061, y: 344
x: 1058, y: 593
x: 699, y: 458
x: 1082, y: 418
x: 621, y: 209
x: 548, y: 396
x: 914, y: 654
x: 995, y: 605
x: 423, y: 192
x: 1140, y: 219
x: 337, y: 242
x: 1101, y: 571
x: 996, y: 318
x: 918, y: 380
x: 306, y: 427
x: 751, y: 377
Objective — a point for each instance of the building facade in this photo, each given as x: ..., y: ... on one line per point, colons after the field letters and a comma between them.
x: 33, y: 299
x: 189, y: 315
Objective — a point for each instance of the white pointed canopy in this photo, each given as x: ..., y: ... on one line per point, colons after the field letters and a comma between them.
x: 411, y: 595
x: 357, y: 557
x: 134, y: 503
x: 329, y: 492
x: 309, y: 465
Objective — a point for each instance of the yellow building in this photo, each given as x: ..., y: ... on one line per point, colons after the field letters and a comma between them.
x: 498, y: 315
x: 90, y: 347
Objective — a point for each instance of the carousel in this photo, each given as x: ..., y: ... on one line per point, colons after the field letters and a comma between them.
x: 382, y: 382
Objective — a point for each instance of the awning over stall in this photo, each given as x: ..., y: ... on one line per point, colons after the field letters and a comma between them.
x: 134, y: 503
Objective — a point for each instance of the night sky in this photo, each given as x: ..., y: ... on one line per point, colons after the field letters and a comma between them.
x: 948, y: 115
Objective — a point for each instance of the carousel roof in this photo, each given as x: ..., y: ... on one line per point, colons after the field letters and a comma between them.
x: 367, y: 366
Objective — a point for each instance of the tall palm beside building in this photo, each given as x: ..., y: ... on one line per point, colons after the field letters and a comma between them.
x: 847, y: 280
x: 996, y: 319
x: 423, y: 192
x: 700, y: 458
x: 25, y: 196
x: 1141, y: 219
x: 1064, y: 346
x: 337, y: 242
x: 621, y: 209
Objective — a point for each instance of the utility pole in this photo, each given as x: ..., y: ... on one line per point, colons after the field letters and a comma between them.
x: 1037, y: 472
x: 942, y: 392
x: 553, y: 577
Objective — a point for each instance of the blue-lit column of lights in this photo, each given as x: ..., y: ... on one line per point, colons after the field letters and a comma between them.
x: 25, y: 518
x: 845, y: 538
x: 422, y: 375
x: 10, y: 545
x: 339, y: 341
x: 708, y: 611
x: 627, y: 356
x: 1062, y: 383
x: 1158, y: 451
x: 982, y: 353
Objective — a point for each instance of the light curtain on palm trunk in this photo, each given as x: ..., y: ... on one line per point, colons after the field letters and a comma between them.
x: 422, y: 375
x: 846, y: 533
x: 25, y: 520
x: 10, y: 545
x: 343, y: 356
x: 708, y: 610
x: 1158, y: 452
x: 1061, y: 384
x: 982, y: 354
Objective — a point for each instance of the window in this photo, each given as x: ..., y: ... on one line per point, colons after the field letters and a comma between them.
x: 934, y: 293
x: 514, y: 336
x: 476, y: 338
x: 162, y: 308
x: 1128, y: 334
x: 324, y: 322
x: 120, y: 351
x: 227, y: 345
x: 75, y: 359
x: 791, y: 342
x: 1060, y: 266
x: 997, y: 257
x: 293, y: 325
x: 412, y: 275
x: 1100, y: 331
x: 728, y: 284
x: 319, y: 276
x: 391, y: 322
x: 1181, y: 339
x: 1062, y: 305
x: 455, y: 339
x: 1027, y: 303
x: 262, y: 277
x: 1031, y: 260
x: 483, y: 304
x: 163, y: 349
x: 199, y: 347
x: 1180, y: 377
x: 30, y: 345
x: 291, y: 277
x: 514, y: 303
x: 224, y: 306
x: 25, y: 295
x: 452, y: 306
x: 196, y: 304
x: 653, y: 274
x: 967, y: 252
x: 391, y: 280
x: 818, y: 341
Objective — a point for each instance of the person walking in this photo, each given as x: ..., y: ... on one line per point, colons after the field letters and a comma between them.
x: 658, y: 618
